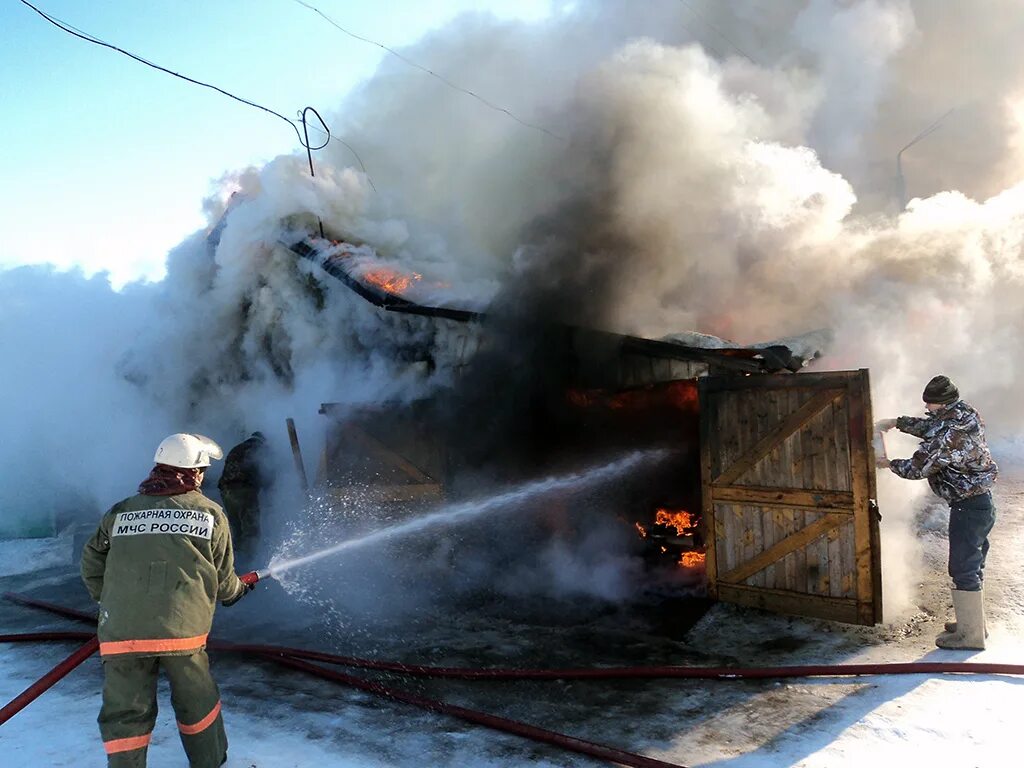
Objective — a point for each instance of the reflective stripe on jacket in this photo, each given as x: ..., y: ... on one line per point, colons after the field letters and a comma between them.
x: 157, y: 565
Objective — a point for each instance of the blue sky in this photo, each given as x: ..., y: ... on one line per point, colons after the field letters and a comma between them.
x: 105, y: 162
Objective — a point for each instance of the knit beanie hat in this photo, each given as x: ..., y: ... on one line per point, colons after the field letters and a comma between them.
x: 941, y: 391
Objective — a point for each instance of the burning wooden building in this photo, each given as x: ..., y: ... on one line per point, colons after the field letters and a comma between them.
x: 770, y: 489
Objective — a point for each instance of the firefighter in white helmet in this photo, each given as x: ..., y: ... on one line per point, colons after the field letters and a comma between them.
x: 157, y: 565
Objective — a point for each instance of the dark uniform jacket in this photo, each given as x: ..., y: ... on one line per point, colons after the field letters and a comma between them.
x: 242, y: 466
x: 157, y: 565
x: 953, y: 454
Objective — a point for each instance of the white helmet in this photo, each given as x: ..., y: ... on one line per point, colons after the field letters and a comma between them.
x: 187, y: 451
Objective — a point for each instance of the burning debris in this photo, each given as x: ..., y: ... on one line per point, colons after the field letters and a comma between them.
x: 675, y: 536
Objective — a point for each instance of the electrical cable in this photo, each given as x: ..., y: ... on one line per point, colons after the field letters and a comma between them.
x: 76, y: 32
x: 96, y: 41
x: 935, y: 125
x: 427, y: 70
x: 717, y: 31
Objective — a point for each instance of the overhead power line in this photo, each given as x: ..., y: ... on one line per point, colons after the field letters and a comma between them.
x: 293, y: 124
x: 432, y: 73
x: 704, y: 20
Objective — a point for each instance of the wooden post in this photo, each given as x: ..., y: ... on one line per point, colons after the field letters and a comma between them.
x: 297, y: 455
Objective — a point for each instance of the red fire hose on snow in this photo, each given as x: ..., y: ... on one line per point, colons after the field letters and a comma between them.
x: 282, y: 657
x: 297, y: 658
x: 47, y: 681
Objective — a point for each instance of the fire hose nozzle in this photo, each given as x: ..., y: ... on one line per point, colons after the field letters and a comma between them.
x: 250, y: 579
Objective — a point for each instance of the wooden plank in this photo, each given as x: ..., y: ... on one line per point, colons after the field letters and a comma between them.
x: 749, y: 427
x: 849, y: 563
x: 829, y: 452
x: 708, y: 409
x: 300, y: 467
x: 757, y: 544
x: 799, y: 577
x: 808, y: 581
x: 803, y: 453
x: 730, y: 383
x: 818, y: 582
x: 821, y: 585
x: 840, y: 501
x: 370, y: 443
x: 751, y: 521
x: 835, y: 564
x: 817, y: 458
x: 874, y: 513
x: 841, y: 437
x: 784, y: 601
x: 722, y: 527
x: 730, y: 542
x: 783, y: 520
x: 862, y: 464
x: 771, y: 535
x: 776, y: 435
x: 784, y: 547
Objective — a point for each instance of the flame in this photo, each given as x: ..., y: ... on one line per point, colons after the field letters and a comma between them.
x: 674, y: 394
x: 642, y: 530
x: 680, y: 519
x: 692, y: 559
x: 391, y: 280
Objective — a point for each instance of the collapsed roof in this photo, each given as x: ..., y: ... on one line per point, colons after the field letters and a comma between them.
x: 382, y: 284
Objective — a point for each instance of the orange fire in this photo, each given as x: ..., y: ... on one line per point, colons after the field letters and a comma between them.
x: 692, y: 559
x: 681, y: 520
x: 391, y: 280
x: 642, y: 530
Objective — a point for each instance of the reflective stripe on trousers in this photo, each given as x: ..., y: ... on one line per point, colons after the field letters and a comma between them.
x: 130, y: 708
x: 202, y: 725
x: 126, y: 745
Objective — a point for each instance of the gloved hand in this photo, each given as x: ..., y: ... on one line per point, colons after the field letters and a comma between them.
x: 249, y: 581
x: 884, y: 425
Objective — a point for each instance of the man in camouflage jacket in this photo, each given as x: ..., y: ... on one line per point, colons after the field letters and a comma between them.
x: 955, y: 459
x: 158, y: 563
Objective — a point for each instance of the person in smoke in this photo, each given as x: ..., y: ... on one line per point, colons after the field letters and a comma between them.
x: 157, y: 564
x: 955, y: 459
x: 240, y: 485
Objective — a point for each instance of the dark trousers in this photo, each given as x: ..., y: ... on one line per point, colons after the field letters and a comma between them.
x: 242, y: 508
x: 970, y: 521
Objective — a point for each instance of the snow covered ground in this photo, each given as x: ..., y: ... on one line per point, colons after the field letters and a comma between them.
x: 280, y: 719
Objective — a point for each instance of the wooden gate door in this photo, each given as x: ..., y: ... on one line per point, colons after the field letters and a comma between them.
x: 789, y: 506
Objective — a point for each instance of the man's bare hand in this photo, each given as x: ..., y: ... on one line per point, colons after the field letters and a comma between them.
x: 882, y: 463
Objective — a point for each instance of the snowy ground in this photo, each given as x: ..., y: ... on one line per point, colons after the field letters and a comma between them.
x: 280, y: 719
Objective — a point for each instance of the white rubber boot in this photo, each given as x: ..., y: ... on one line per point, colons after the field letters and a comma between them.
x: 950, y: 626
x: 970, y: 622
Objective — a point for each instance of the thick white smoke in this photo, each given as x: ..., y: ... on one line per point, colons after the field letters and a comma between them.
x: 687, y: 186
